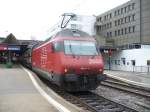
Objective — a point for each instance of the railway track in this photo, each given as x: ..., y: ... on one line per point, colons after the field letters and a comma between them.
x: 144, y: 92
x: 90, y: 102
x: 101, y: 104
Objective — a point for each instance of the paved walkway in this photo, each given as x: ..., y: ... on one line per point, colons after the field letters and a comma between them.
x: 17, y: 93
x: 141, y: 79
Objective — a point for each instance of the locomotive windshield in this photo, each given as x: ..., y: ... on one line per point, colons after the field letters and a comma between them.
x: 80, y: 48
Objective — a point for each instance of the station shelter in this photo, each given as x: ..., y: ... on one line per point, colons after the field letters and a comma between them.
x: 10, y: 49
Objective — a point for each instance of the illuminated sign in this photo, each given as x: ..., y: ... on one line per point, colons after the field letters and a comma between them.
x: 14, y: 48
x: 3, y: 48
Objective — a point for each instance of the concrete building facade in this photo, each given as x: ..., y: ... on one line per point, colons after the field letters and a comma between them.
x: 126, y: 30
x: 126, y: 25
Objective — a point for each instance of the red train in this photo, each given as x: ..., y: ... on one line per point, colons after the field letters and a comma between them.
x: 70, y: 59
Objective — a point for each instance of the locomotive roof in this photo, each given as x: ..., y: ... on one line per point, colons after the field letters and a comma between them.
x: 72, y: 33
x: 67, y: 33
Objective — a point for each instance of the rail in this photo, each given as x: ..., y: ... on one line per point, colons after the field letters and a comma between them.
x: 89, y: 101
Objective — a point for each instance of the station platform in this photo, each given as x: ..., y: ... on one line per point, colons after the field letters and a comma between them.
x: 18, y: 93
x: 139, y: 79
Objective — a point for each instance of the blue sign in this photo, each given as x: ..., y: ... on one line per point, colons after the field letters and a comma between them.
x: 14, y: 48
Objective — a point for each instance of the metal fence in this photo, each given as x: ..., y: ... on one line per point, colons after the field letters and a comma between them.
x: 142, y: 69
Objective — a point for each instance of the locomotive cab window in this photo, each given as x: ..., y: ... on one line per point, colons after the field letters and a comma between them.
x: 57, y: 47
x: 80, y: 48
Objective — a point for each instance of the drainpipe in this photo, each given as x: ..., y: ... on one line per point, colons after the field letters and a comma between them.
x: 141, y: 41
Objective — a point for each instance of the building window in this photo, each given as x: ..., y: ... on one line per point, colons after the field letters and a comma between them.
x: 107, y: 25
x: 129, y: 18
x: 107, y: 34
x: 129, y: 7
x: 133, y: 17
x: 122, y: 31
x: 123, y: 61
x: 121, y: 20
x: 118, y: 12
x: 110, y: 34
x: 118, y: 62
x: 110, y: 24
x: 115, y: 62
x: 121, y: 10
x: 133, y: 6
x: 125, y: 9
x: 105, y: 18
x: 118, y: 32
x: 133, y: 29
x: 148, y: 62
x: 110, y: 15
x: 115, y: 13
x: 125, y: 31
x: 118, y: 21
x: 129, y: 29
x: 115, y: 33
x: 100, y: 28
x: 133, y: 62
x: 99, y: 19
x: 125, y: 19
x: 115, y: 22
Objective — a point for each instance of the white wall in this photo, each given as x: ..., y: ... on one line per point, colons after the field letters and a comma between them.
x: 139, y: 55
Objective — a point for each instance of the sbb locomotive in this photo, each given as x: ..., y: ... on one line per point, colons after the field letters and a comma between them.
x: 69, y: 59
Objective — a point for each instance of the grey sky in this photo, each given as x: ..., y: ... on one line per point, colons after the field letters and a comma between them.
x: 26, y: 18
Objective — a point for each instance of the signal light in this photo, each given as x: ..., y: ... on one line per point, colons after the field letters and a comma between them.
x: 65, y: 70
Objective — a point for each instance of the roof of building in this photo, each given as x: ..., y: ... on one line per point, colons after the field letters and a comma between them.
x: 11, y: 39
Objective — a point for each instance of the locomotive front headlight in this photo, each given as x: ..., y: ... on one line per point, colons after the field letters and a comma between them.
x: 100, y: 70
x: 65, y: 70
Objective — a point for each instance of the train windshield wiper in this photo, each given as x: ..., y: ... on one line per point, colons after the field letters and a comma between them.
x: 70, y: 46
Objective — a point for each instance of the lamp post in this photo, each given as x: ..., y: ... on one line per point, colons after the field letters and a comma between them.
x: 110, y: 54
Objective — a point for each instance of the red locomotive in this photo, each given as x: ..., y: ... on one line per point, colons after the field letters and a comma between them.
x: 71, y: 60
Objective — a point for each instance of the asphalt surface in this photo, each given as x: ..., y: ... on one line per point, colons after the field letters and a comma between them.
x: 17, y: 93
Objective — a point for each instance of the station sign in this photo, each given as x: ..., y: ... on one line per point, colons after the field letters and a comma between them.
x: 3, y: 48
x: 14, y: 48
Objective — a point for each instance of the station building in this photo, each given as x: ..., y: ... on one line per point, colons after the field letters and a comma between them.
x: 11, y: 49
x: 126, y: 31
